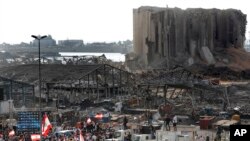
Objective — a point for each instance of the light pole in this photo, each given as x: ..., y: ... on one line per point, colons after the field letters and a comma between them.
x: 39, y: 77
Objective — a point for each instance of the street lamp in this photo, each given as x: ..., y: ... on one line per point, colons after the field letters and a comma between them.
x: 39, y: 77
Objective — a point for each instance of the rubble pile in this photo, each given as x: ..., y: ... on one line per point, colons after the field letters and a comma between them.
x: 231, y: 64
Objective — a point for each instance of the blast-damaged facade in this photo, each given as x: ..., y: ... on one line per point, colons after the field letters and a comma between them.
x: 173, y: 36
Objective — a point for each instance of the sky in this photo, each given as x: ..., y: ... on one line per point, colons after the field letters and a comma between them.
x: 89, y: 20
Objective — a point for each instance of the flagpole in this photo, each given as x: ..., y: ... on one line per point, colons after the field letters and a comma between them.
x: 41, y: 125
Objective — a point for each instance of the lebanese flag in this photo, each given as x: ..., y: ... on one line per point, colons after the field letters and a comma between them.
x: 11, y: 133
x: 81, y: 137
x: 46, y: 126
x: 99, y: 116
x: 88, y: 121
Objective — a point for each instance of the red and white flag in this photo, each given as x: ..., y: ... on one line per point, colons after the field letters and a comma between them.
x: 88, y: 121
x: 81, y: 137
x: 99, y: 116
x: 46, y: 126
x: 11, y: 133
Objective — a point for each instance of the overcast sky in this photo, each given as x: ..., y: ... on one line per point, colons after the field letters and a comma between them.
x: 90, y: 20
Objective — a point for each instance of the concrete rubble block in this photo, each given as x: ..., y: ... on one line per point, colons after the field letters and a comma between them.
x: 192, y: 48
x: 206, y: 55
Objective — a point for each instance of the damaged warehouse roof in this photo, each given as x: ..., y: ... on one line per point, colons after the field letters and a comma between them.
x: 103, y: 74
x: 68, y: 79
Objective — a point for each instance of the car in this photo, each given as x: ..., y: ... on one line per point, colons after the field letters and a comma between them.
x: 61, y: 107
x: 76, y: 108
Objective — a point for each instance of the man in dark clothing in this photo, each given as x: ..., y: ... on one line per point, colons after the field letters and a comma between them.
x: 129, y: 136
x: 207, y: 138
x: 167, y: 121
x: 125, y: 121
x: 150, y: 118
x: 152, y: 130
x: 218, y: 134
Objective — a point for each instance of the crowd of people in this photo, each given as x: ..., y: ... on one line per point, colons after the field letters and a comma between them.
x: 95, y: 130
x: 90, y: 131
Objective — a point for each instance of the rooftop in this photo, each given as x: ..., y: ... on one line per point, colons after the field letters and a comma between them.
x: 49, y: 72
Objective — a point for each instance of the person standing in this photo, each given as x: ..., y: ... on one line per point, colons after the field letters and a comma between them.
x: 152, y: 130
x: 125, y: 137
x: 125, y: 121
x: 21, y: 138
x: 129, y: 136
x: 218, y: 133
x: 207, y: 138
x: 150, y: 118
x: 167, y: 121
x: 175, y: 122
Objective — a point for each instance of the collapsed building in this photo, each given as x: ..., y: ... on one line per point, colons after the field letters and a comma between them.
x: 170, y: 36
x: 70, y: 84
x: 208, y: 46
x: 180, y: 91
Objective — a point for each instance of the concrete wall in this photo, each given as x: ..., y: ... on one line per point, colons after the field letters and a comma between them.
x: 6, y: 107
x: 142, y: 29
x: 174, y: 35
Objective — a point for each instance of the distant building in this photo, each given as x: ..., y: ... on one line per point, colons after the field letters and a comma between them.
x: 23, y: 44
x: 70, y: 43
x: 46, y: 42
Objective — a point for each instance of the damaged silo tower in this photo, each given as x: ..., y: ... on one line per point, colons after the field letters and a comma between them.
x: 173, y: 35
